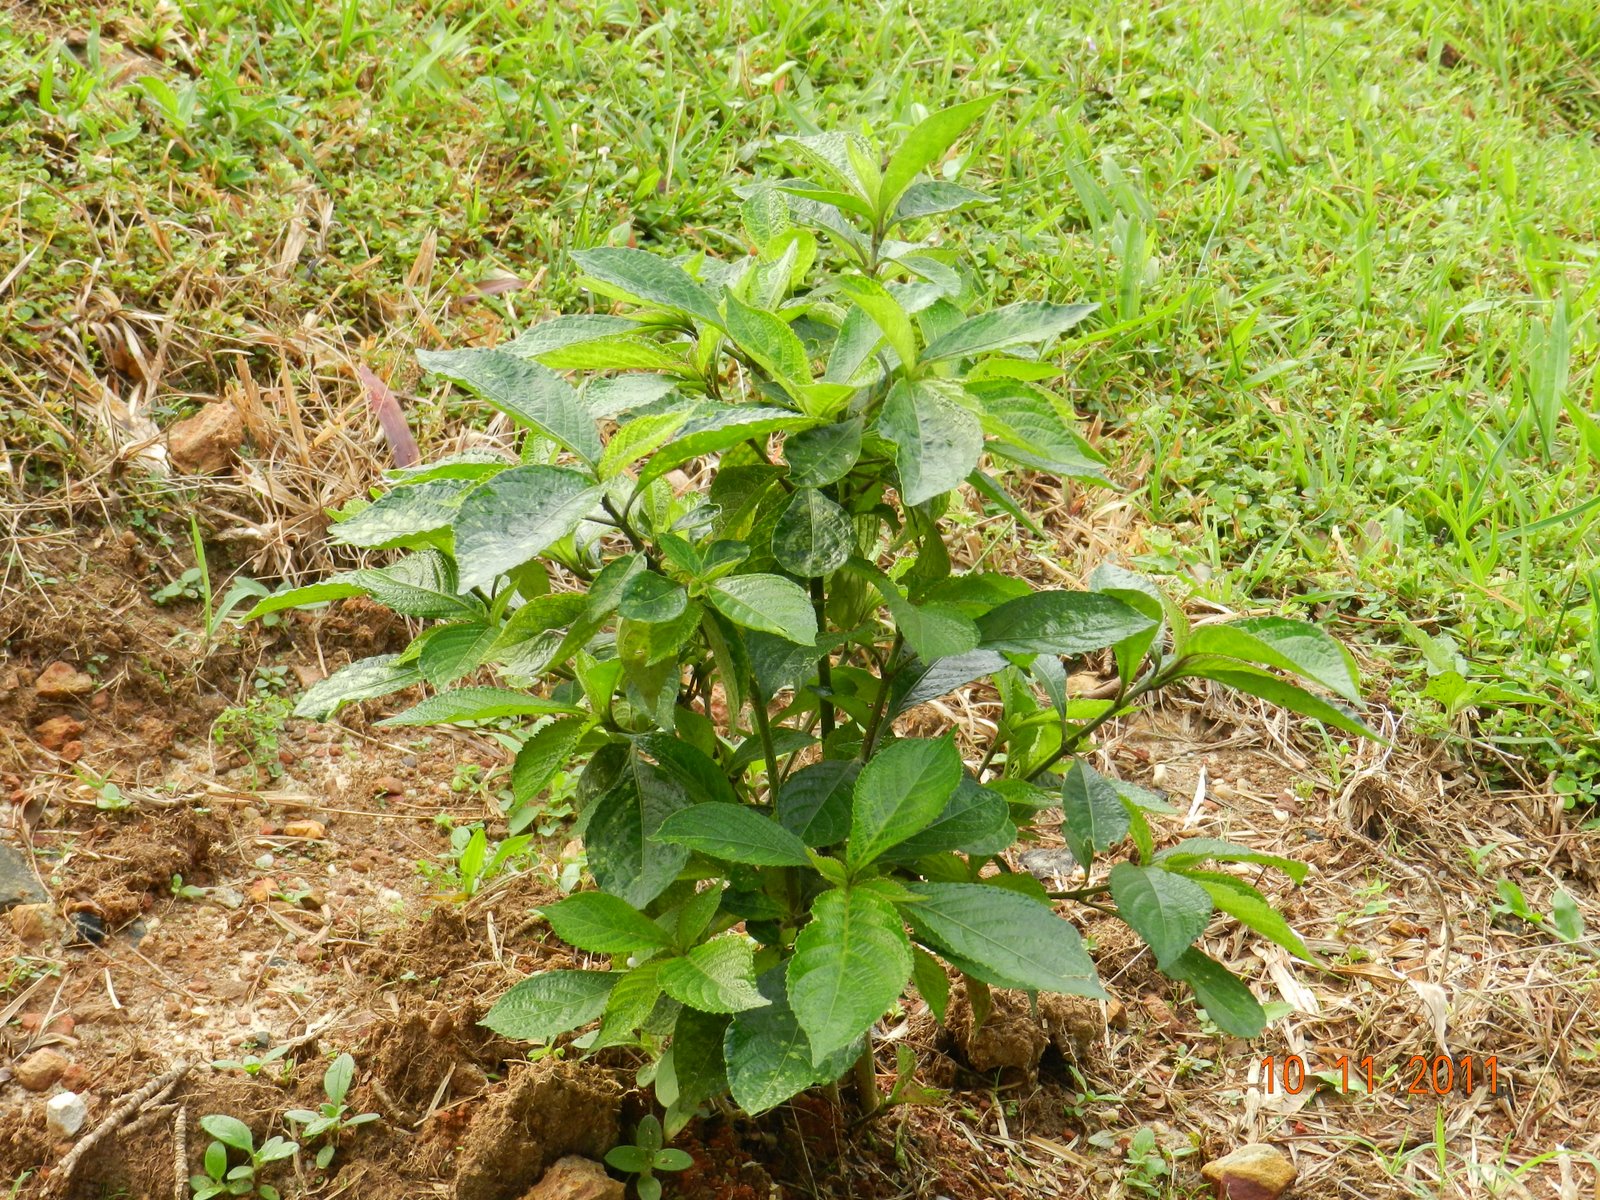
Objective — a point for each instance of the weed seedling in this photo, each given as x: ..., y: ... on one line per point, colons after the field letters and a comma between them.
x: 330, y: 1119
x: 647, y: 1156
x: 219, y: 1179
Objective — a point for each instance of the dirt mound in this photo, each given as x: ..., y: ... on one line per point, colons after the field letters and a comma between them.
x: 546, y: 1111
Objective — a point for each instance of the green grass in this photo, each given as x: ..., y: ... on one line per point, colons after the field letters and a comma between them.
x: 1346, y: 254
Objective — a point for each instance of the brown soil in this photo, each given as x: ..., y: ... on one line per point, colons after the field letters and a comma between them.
x: 341, y: 937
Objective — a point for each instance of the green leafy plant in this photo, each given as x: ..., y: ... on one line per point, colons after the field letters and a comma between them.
x: 254, y: 1064
x: 646, y: 1156
x: 219, y: 1179
x: 775, y: 864
x: 473, y: 861
x: 330, y: 1120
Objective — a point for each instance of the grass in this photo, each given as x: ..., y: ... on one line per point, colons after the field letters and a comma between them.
x: 1346, y: 256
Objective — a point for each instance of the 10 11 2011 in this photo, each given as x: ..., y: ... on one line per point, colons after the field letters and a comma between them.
x: 1420, y: 1075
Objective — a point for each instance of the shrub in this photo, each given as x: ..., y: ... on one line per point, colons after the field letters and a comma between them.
x: 775, y: 865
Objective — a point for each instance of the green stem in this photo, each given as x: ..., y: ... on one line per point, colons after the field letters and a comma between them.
x: 764, y: 730
x: 866, y: 1073
x: 869, y: 740
x: 819, y: 602
x: 1124, y: 697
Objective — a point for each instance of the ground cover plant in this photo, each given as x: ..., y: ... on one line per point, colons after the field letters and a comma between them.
x: 731, y: 662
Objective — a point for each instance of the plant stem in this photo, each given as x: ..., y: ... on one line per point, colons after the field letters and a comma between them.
x: 1124, y: 697
x: 869, y: 740
x: 819, y: 600
x: 764, y: 729
x: 866, y: 1072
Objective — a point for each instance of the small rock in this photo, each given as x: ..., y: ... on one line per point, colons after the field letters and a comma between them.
x: 228, y: 897
x: 261, y: 890
x: 74, y: 1078
x: 57, y: 732
x: 1049, y: 866
x: 90, y: 927
x: 65, y: 1114
x: 387, y: 785
x: 72, y: 751
x: 1255, y: 1171
x: 306, y: 675
x: 574, y: 1178
x: 41, y: 1069
x: 311, y: 830
x: 62, y: 681
x: 205, y: 443
x: 33, y: 923
x: 17, y: 882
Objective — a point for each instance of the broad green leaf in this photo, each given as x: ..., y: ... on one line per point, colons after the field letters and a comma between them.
x: 604, y: 924
x: 923, y: 681
x: 813, y: 536
x: 1168, y: 911
x: 365, y: 679
x: 525, y: 392
x: 927, y: 143
x: 714, y: 428
x: 616, y: 354
x: 423, y: 584
x: 696, y: 1051
x: 404, y: 516
x: 630, y: 1005
x: 767, y: 1054
x: 518, y: 514
x: 852, y: 360
x: 1565, y: 915
x: 651, y: 597
x: 814, y: 802
x: 1093, y: 816
x: 567, y: 331
x: 1198, y: 850
x: 851, y: 962
x: 933, y: 985
x: 1002, y: 937
x: 933, y: 631
x: 899, y: 792
x: 769, y: 603
x: 475, y: 704
x: 933, y: 198
x: 550, y: 1003
x: 717, y: 976
x: 478, y: 463
x: 696, y: 774
x: 734, y: 833
x: 624, y: 856
x: 936, y: 442
x: 453, y: 650
x: 769, y: 340
x: 1227, y: 1001
x: 834, y: 197
x: 1029, y: 426
x: 1029, y: 322
x: 542, y: 755
x: 823, y: 455
x: 1143, y: 596
x: 1252, y: 910
x: 975, y: 820
x: 645, y: 276
x: 640, y: 438
x: 230, y: 1131
x: 886, y: 314
x: 1252, y: 681
x: 1058, y: 622
x: 337, y: 588
x: 1292, y: 646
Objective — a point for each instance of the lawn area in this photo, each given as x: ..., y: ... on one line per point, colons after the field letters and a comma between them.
x: 1345, y: 367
